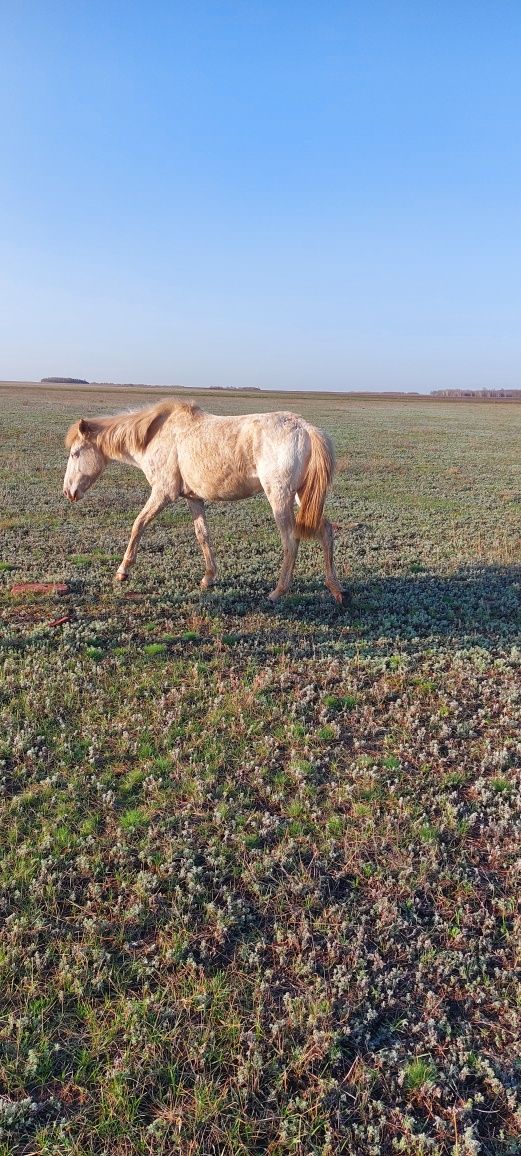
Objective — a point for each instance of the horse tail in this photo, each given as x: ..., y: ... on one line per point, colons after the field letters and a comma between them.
x: 317, y: 478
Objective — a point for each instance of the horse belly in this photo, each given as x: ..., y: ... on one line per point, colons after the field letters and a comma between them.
x: 233, y: 489
x: 222, y: 485
x: 226, y: 490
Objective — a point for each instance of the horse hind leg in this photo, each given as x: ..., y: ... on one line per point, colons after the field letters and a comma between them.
x: 283, y: 513
x: 325, y: 535
x: 286, y: 527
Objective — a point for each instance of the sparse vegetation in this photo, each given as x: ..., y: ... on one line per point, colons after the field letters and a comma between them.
x: 260, y: 866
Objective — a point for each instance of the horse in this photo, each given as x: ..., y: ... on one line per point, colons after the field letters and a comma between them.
x: 185, y: 452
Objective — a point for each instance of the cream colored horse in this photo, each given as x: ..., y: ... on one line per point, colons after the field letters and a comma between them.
x: 184, y: 452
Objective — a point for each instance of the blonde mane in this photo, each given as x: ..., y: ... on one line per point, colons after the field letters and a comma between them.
x: 129, y: 432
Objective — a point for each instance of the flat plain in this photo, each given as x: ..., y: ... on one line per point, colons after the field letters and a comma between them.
x: 260, y: 865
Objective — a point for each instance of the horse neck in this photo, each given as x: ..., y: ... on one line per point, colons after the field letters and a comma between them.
x: 116, y: 448
x: 135, y: 440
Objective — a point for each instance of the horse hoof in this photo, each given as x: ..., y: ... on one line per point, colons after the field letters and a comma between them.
x: 120, y: 576
x: 274, y: 596
x: 206, y: 583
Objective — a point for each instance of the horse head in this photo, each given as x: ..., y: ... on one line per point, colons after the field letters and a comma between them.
x: 86, y: 460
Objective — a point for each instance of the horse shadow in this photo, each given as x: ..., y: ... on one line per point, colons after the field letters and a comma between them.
x: 476, y: 605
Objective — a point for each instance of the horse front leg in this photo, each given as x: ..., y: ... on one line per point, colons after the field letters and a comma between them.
x: 197, y: 511
x: 156, y: 502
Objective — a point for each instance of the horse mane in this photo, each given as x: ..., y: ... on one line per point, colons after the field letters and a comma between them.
x: 125, y: 433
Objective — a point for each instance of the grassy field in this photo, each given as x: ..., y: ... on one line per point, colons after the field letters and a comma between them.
x: 260, y: 866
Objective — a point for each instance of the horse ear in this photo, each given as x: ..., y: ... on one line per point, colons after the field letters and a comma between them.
x: 83, y: 427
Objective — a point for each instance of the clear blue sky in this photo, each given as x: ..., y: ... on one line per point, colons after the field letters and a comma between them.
x: 281, y: 193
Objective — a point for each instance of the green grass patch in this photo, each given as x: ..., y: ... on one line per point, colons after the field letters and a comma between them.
x: 338, y: 702
x: 417, y: 1073
x: 133, y: 819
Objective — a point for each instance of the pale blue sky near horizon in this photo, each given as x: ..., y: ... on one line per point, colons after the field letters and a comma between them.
x: 248, y: 192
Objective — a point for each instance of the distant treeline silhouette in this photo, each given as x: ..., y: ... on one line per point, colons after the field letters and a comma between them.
x: 492, y: 394
x: 65, y: 380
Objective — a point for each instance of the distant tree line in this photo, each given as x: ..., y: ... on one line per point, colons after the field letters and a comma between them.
x: 238, y: 388
x: 490, y: 393
x: 65, y: 380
